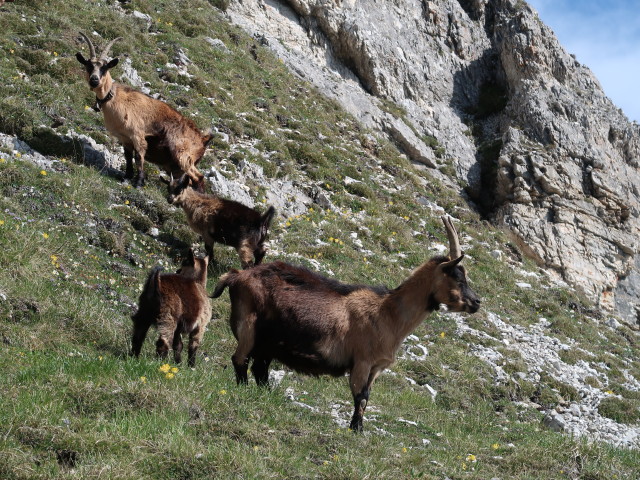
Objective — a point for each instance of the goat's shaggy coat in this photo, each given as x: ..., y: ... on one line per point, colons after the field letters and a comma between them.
x: 223, y: 221
x: 148, y: 129
x: 177, y: 304
x: 316, y: 325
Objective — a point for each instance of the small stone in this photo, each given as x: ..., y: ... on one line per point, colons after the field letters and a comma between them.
x: 554, y: 422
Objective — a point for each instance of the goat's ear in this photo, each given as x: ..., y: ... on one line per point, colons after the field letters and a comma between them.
x: 448, y: 267
x: 111, y: 64
x: 81, y: 59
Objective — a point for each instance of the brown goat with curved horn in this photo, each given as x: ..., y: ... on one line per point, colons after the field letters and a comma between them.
x: 316, y: 325
x: 147, y: 128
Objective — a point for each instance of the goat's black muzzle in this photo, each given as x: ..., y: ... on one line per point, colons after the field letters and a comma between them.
x: 94, y: 81
x: 473, y: 305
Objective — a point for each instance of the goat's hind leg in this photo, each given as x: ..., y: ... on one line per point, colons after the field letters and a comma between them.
x: 260, y: 370
x: 245, y: 334
x: 140, y: 329
x: 195, y: 338
x: 177, y: 346
x: 166, y: 334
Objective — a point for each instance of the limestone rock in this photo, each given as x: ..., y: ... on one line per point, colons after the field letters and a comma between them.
x: 526, y: 127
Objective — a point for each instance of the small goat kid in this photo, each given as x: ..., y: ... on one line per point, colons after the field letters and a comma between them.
x: 223, y: 221
x: 147, y: 128
x: 316, y: 325
x: 176, y: 303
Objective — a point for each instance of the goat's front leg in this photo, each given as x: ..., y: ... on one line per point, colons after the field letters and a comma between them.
x: 245, y: 251
x: 208, y: 248
x: 245, y: 334
x: 128, y: 156
x: 140, y: 146
x: 177, y: 346
x: 360, y: 380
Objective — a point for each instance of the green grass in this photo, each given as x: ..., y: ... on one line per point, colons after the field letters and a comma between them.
x: 75, y: 249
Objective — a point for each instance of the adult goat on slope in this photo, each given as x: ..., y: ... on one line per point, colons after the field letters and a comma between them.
x: 147, y: 128
x: 317, y: 325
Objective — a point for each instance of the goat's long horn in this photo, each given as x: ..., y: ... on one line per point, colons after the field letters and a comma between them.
x: 454, y: 243
x: 92, y: 49
x: 105, y: 52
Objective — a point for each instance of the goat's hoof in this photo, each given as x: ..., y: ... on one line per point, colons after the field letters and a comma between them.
x: 356, y: 426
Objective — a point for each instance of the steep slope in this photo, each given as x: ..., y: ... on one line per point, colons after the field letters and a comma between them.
x: 527, y: 129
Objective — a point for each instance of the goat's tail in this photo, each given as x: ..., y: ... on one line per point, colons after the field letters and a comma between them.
x: 150, y: 292
x: 152, y: 286
x: 265, y: 222
x: 224, y: 282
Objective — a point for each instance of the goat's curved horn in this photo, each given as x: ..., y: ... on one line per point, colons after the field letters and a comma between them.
x: 92, y: 49
x: 454, y: 243
x: 105, y: 52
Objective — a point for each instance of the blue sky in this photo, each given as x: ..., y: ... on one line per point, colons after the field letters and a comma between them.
x: 605, y: 36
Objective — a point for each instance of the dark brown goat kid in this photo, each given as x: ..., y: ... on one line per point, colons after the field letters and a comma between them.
x: 223, y: 221
x: 177, y: 304
x: 316, y: 325
x: 149, y: 130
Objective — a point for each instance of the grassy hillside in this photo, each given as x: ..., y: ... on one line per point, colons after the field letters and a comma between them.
x: 75, y: 247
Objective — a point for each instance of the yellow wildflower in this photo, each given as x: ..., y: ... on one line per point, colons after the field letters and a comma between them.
x: 471, y: 458
x: 126, y: 202
x: 222, y: 392
x: 495, y: 446
x: 43, y: 172
x: 143, y: 379
x: 1, y: 222
x: 174, y: 370
x: 100, y: 357
x: 609, y: 392
x: 442, y: 334
x: 165, y: 368
x: 45, y: 235
x: 404, y: 449
x: 169, y: 375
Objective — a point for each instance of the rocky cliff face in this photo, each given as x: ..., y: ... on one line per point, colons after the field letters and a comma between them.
x: 482, y: 88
